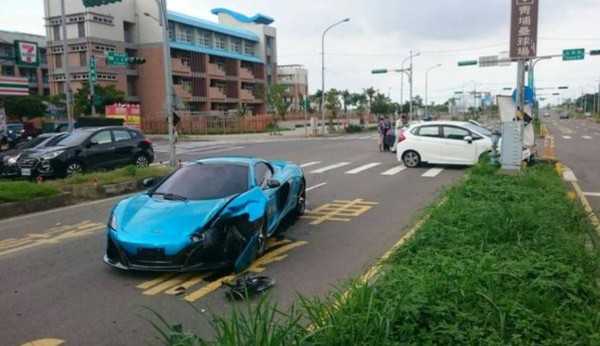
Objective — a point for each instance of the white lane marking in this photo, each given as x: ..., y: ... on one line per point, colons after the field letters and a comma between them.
x: 394, y: 170
x: 586, y: 137
x: 432, y: 173
x: 568, y: 174
x: 213, y: 147
x: 597, y: 134
x: 221, y: 150
x: 567, y: 137
x: 328, y: 168
x: 363, y: 168
x: 316, y: 186
x: 308, y: 164
x: 592, y: 194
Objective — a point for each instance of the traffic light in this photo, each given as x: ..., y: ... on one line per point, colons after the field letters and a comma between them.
x: 595, y: 52
x: 563, y: 87
x: 93, y: 3
x: 378, y: 71
x: 136, y: 61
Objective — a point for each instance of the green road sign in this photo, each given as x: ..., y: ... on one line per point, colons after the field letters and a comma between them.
x: 595, y: 52
x: 117, y: 58
x: 93, y: 3
x: 93, y: 70
x: 467, y: 63
x: 573, y: 54
x: 378, y: 71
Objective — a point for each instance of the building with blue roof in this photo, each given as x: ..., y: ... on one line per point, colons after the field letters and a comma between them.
x: 216, y: 65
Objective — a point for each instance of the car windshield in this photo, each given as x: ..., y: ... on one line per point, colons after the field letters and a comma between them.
x: 478, y: 129
x: 32, y: 143
x: 14, y: 127
x: 205, y: 182
x: 75, y: 138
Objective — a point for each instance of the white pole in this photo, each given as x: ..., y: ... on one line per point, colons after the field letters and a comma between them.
x: 68, y: 90
x: 168, y: 80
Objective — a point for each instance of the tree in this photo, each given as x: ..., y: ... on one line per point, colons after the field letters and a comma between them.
x: 361, y: 102
x: 318, y: 98
x: 276, y: 99
x: 332, y: 104
x: 346, y: 100
x: 105, y: 95
x: 25, y: 107
x: 382, y: 104
x: 370, y: 93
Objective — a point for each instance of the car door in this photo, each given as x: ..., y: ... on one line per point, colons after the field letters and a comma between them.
x: 99, y: 152
x: 262, y: 174
x: 124, y: 147
x: 427, y: 142
x: 455, y: 149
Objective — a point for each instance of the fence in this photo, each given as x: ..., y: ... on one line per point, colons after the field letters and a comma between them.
x: 204, y: 124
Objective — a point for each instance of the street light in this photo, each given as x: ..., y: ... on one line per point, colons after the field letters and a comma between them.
x: 162, y: 21
x: 323, y: 72
x: 409, y: 80
x: 426, y: 73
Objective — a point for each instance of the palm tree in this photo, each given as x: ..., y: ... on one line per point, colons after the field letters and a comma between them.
x: 370, y: 92
x: 346, y: 100
x: 318, y: 98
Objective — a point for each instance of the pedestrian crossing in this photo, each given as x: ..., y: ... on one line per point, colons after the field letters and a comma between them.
x: 196, y: 148
x: 360, y: 138
x: 349, y: 168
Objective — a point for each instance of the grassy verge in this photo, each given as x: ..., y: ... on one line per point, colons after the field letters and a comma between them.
x: 537, y: 126
x: 16, y: 191
x: 502, y: 262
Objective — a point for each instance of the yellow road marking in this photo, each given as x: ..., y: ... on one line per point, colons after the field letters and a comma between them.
x: 256, y: 267
x: 587, y: 207
x: 175, y: 281
x: 146, y: 285
x: 45, y: 342
x: 187, y: 284
x: 339, y: 211
x: 51, y: 236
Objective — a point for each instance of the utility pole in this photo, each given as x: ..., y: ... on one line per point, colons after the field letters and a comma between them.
x: 598, y: 103
x: 68, y: 90
x: 410, y: 80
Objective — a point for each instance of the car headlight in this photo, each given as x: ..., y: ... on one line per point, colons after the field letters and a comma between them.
x: 112, y: 222
x: 12, y: 160
x: 52, y: 155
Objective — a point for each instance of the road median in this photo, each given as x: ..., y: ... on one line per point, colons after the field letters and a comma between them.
x: 506, y: 260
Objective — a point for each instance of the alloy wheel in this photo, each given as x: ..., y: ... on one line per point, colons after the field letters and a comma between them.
x: 411, y: 159
x: 74, y: 168
x: 142, y: 161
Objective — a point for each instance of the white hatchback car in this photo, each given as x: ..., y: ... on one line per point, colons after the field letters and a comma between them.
x: 443, y: 142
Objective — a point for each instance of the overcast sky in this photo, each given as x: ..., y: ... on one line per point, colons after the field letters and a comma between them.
x: 381, y: 33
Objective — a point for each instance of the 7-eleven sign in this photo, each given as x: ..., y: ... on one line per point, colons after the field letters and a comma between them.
x: 27, y: 53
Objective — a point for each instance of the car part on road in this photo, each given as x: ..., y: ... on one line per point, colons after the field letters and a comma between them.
x: 247, y: 287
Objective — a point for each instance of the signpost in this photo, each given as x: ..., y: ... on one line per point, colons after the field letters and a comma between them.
x: 117, y: 58
x: 573, y: 54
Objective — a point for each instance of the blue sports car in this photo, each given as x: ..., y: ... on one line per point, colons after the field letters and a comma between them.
x: 211, y: 213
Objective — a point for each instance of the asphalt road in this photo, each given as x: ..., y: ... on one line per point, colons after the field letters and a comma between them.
x: 577, y: 142
x: 53, y: 283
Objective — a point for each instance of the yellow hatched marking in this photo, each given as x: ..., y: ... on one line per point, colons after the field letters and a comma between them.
x: 51, y: 236
x: 339, y: 211
x: 257, y: 267
x: 178, y: 289
x: 175, y: 281
x: 148, y: 284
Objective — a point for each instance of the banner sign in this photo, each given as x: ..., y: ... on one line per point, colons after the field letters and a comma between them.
x: 14, y: 86
x: 130, y: 113
x: 27, y: 54
x: 524, y: 29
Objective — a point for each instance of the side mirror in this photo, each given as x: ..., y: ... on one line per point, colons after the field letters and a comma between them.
x: 91, y: 144
x: 148, y: 182
x: 468, y: 139
x: 273, y: 183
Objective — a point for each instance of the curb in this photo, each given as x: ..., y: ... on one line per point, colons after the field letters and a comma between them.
x: 36, y: 205
x: 570, y: 177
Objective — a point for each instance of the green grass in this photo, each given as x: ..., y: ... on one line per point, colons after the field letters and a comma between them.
x: 17, y: 191
x: 502, y: 262
x: 115, y: 176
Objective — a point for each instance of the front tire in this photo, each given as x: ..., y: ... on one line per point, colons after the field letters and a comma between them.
x: 300, y: 208
x: 411, y: 159
x: 142, y: 161
x: 73, y: 168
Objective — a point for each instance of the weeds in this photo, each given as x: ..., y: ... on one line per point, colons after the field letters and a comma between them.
x: 502, y: 262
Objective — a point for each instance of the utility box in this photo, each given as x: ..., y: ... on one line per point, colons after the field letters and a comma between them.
x: 512, y: 145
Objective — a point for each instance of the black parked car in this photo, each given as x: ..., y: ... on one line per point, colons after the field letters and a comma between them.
x: 8, y: 159
x: 88, y: 149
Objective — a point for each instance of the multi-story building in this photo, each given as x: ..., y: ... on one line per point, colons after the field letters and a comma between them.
x: 295, y: 80
x: 216, y: 66
x: 37, y: 76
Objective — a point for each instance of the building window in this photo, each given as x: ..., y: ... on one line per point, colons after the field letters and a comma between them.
x: 81, y: 29
x: 185, y: 60
x: 58, y: 60
x: 220, y: 43
x: 8, y: 71
x: 185, y: 35
x: 236, y: 46
x: 203, y: 39
x: 6, y: 52
x: 83, y: 59
x: 248, y: 48
x: 56, y: 32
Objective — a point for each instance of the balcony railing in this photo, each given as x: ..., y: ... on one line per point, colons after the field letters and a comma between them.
x: 246, y: 95
x: 182, y: 92
x: 216, y: 93
x: 179, y: 68
x: 246, y: 74
x: 215, y: 71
